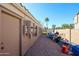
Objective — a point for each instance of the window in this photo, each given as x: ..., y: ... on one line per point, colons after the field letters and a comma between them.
x: 36, y: 31
x: 24, y: 27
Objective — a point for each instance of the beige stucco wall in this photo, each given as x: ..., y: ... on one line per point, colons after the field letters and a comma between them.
x: 0, y: 27
x: 75, y: 36
x: 66, y: 34
x: 10, y: 34
x: 25, y: 40
x: 28, y: 42
x: 20, y: 11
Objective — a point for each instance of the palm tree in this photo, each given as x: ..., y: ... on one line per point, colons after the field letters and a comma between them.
x: 46, y: 20
x: 53, y: 27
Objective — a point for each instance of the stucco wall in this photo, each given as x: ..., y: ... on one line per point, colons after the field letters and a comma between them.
x: 10, y: 34
x: 76, y: 21
x: 0, y: 28
x: 66, y: 34
x: 25, y: 40
x: 75, y: 36
x: 77, y: 26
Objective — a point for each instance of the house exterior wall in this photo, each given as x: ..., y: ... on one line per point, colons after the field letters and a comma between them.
x: 0, y: 27
x: 77, y: 26
x: 10, y: 34
x: 76, y: 21
x: 20, y: 39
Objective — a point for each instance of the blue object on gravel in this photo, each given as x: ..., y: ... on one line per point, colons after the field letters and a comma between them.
x: 75, y: 50
x: 50, y: 35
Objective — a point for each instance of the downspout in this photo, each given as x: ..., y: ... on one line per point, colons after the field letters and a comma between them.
x: 20, y: 40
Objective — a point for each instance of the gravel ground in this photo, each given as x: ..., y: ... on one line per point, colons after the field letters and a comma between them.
x: 44, y: 47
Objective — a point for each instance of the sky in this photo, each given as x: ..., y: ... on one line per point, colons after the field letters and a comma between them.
x: 58, y: 13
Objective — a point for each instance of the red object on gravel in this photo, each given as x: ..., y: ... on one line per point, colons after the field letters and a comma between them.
x: 65, y: 49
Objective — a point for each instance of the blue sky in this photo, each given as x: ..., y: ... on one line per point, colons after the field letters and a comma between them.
x: 58, y: 13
